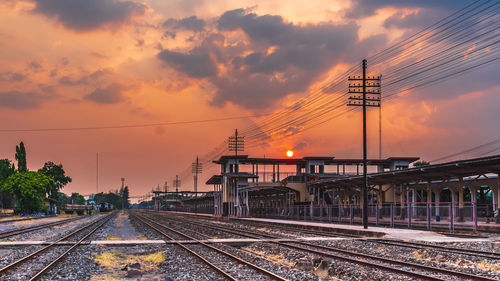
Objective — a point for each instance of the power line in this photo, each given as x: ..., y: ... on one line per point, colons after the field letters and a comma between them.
x: 131, y: 126
x: 484, y: 145
x: 440, y: 63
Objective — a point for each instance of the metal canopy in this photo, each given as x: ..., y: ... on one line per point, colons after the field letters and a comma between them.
x: 450, y: 170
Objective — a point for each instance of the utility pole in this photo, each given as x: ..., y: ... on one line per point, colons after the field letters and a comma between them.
x: 380, y: 120
x: 236, y: 143
x: 361, y: 97
x: 165, y: 187
x: 177, y: 184
x: 196, y: 169
x: 97, y: 173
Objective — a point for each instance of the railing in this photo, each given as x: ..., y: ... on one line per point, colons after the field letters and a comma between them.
x: 391, y: 214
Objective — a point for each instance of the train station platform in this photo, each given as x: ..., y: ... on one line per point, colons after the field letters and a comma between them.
x: 392, y: 233
x: 372, y: 231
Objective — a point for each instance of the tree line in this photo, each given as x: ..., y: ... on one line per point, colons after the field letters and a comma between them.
x: 28, y: 191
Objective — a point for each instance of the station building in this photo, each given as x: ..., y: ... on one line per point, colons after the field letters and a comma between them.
x: 244, y: 185
x: 329, y: 188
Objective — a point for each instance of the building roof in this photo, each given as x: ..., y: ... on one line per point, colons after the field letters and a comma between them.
x: 244, y: 159
x: 449, y: 170
x: 215, y: 179
x: 243, y: 175
x: 266, y: 190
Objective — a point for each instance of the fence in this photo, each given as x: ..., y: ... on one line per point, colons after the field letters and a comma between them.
x: 410, y: 215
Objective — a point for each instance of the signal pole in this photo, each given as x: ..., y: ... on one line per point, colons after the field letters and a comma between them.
x: 196, y: 169
x: 367, y: 98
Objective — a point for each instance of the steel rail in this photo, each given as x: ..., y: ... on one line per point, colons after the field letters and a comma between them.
x: 79, y: 242
x: 26, y: 219
x: 17, y: 262
x: 238, y: 259
x: 207, y: 262
x: 18, y: 231
x: 400, y: 243
x: 361, y: 255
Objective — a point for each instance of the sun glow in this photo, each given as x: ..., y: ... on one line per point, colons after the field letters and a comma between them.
x: 289, y: 153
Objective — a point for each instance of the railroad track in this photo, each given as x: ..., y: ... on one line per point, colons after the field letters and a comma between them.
x: 25, y: 219
x: 17, y: 231
x: 391, y: 242
x: 220, y: 267
x: 360, y: 258
x: 98, y: 223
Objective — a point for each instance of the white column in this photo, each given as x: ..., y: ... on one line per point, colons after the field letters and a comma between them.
x: 437, y: 192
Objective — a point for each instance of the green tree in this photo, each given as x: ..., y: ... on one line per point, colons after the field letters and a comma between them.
x: 62, y: 199
x: 421, y: 163
x: 22, y: 165
x: 77, y: 198
x: 29, y: 189
x: 113, y: 198
x: 57, y: 173
x: 6, y: 169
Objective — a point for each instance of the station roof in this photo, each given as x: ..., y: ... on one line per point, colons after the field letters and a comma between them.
x: 267, y: 190
x: 449, y: 170
x: 244, y: 159
x: 243, y: 175
x: 215, y: 179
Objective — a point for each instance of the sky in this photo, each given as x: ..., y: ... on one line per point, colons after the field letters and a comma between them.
x: 108, y: 63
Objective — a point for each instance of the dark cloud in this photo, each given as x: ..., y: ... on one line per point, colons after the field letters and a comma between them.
x: 197, y: 65
x: 86, y: 15
x: 191, y: 23
x: 67, y: 81
x: 85, y: 79
x: 12, y: 76
x: 35, y: 65
x: 300, y: 145
x: 22, y: 100
x: 64, y: 61
x: 139, y: 42
x: 169, y: 34
x: 362, y: 8
x: 109, y: 95
x: 274, y: 59
x: 98, y: 55
x: 418, y: 20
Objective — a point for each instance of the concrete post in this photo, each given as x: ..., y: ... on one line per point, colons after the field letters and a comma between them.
x: 402, y: 198
x: 460, y: 200
x: 361, y: 202
x: 414, y: 201
x: 429, y: 206
x: 453, y: 192
x: 497, y: 197
x: 380, y: 199
x: 473, y: 200
x: 437, y: 193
